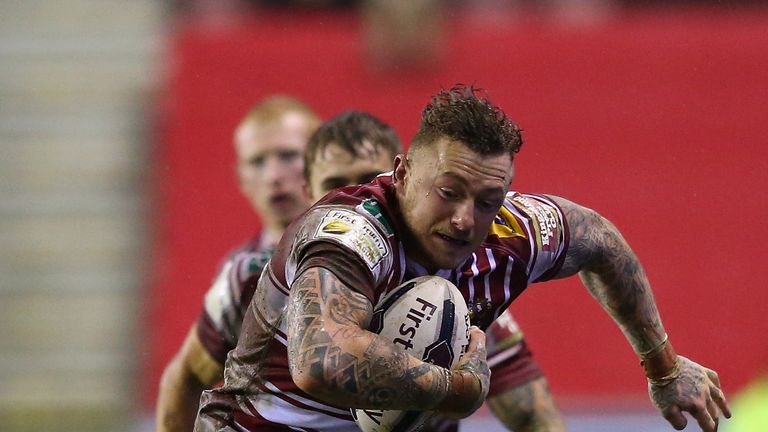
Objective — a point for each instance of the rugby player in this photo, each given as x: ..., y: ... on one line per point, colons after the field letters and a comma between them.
x: 305, y: 357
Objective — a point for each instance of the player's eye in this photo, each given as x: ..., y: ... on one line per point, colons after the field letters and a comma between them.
x: 257, y: 161
x: 447, y: 193
x: 489, y: 204
x: 288, y: 156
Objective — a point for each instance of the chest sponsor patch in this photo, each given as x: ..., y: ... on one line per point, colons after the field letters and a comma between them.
x: 355, y: 232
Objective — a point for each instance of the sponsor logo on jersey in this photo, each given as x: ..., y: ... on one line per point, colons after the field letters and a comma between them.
x: 374, y: 209
x: 543, y: 217
x: 480, y: 310
x: 505, y: 225
x: 357, y: 233
x: 337, y: 227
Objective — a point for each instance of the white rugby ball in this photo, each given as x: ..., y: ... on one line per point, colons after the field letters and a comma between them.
x: 428, y: 318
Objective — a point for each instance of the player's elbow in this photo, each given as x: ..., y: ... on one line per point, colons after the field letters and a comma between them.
x: 306, y: 382
x: 313, y: 375
x: 179, y: 377
x: 173, y: 375
x: 314, y: 383
x: 309, y: 371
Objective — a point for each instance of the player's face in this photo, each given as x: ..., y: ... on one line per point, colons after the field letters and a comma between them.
x: 335, y: 167
x: 270, y: 163
x: 449, y: 196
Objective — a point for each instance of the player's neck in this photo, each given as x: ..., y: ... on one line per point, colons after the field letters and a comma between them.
x: 271, y: 234
x: 414, y: 254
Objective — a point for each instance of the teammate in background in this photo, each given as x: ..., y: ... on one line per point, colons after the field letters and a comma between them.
x: 304, y: 356
x: 200, y: 363
x: 269, y: 144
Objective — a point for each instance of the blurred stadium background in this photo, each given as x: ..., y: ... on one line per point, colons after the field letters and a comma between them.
x: 117, y: 194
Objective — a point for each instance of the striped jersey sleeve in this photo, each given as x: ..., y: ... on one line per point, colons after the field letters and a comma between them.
x: 546, y: 229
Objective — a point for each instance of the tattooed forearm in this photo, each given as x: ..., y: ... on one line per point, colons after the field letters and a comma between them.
x: 475, y: 363
x: 612, y: 273
x: 332, y: 357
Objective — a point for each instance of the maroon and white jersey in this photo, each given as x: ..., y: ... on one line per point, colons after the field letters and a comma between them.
x: 356, y: 232
x: 510, y: 359
x: 225, y: 303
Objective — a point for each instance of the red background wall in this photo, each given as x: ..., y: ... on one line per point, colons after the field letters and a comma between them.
x: 658, y: 120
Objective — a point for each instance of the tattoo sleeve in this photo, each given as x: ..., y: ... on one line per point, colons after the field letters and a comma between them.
x: 334, y: 358
x: 612, y: 274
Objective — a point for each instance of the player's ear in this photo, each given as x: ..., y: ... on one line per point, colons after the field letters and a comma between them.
x: 400, y: 169
x: 239, y: 178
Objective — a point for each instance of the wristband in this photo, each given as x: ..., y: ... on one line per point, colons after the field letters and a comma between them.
x: 655, y: 350
x: 457, y: 398
x: 661, y: 364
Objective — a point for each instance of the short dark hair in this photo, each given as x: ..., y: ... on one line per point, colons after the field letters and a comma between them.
x: 349, y: 130
x: 464, y: 113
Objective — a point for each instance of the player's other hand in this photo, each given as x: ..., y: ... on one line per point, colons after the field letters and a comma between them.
x: 697, y: 391
x: 470, y: 379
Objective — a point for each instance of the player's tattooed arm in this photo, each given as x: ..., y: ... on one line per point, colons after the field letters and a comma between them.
x: 614, y: 276
x: 469, y: 382
x: 333, y: 358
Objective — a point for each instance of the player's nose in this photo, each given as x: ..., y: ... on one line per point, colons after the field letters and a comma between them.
x: 274, y: 171
x: 463, y: 218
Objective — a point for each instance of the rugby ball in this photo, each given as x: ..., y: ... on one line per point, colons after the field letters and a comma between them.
x: 427, y: 317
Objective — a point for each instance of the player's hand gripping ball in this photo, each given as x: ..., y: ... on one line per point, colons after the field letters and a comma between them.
x: 428, y: 318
